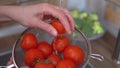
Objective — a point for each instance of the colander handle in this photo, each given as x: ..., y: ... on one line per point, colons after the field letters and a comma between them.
x: 97, y: 57
x: 10, y: 66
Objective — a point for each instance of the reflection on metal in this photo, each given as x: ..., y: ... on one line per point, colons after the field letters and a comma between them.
x: 97, y: 56
x: 116, y: 53
x: 10, y: 66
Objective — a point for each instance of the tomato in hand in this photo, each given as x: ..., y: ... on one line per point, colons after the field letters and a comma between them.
x: 45, y: 47
x: 44, y: 65
x: 74, y: 53
x: 29, y: 41
x: 60, y: 43
x: 54, y: 59
x: 66, y: 64
x: 58, y: 26
x: 32, y: 55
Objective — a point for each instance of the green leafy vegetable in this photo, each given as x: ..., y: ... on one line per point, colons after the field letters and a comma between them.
x: 87, y: 23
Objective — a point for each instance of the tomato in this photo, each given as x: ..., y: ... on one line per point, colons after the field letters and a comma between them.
x: 74, y: 53
x: 66, y: 64
x: 60, y: 43
x: 29, y: 41
x: 58, y: 26
x: 46, y: 48
x: 44, y: 65
x: 54, y: 59
x: 32, y: 55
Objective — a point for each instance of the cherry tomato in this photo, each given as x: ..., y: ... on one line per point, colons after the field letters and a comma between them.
x: 46, y: 48
x: 60, y: 43
x: 44, y: 65
x: 58, y: 26
x: 66, y: 64
x: 74, y: 53
x: 54, y: 59
x: 29, y: 41
x: 32, y: 55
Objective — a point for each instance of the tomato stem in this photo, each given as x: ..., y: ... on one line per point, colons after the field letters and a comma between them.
x: 47, y: 61
x: 60, y: 55
x: 36, y: 61
x: 55, y: 20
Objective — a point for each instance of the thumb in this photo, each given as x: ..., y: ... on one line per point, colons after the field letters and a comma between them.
x: 46, y: 27
x: 10, y: 61
x: 24, y: 67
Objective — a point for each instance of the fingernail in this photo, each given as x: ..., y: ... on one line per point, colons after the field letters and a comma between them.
x: 72, y: 28
x: 54, y: 32
x: 69, y: 32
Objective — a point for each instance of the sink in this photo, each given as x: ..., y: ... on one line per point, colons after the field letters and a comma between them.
x: 4, y: 58
x: 9, y: 33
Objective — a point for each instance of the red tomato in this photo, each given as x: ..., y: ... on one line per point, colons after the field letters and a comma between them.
x: 66, y: 64
x: 44, y: 65
x: 32, y: 55
x: 29, y: 41
x: 74, y: 53
x: 45, y: 48
x: 60, y: 43
x: 58, y: 26
x: 54, y: 59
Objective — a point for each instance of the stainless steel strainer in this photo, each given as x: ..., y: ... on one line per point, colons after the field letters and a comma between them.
x: 77, y: 37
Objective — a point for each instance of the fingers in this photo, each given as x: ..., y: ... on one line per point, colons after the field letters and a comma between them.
x: 24, y: 67
x: 70, y: 19
x: 57, y: 13
x: 45, y: 26
x: 10, y: 61
x: 46, y: 17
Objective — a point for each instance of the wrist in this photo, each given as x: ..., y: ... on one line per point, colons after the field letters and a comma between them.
x: 6, y: 12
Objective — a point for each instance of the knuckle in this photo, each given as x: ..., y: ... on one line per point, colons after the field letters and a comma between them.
x: 67, y: 11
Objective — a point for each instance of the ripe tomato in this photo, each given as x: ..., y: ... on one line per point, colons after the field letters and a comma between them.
x: 44, y: 65
x: 60, y: 43
x: 66, y: 64
x: 74, y: 53
x: 29, y: 41
x: 31, y: 56
x: 54, y: 59
x: 46, y: 48
x: 58, y: 26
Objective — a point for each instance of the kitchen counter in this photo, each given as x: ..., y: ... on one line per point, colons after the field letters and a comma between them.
x: 103, y: 46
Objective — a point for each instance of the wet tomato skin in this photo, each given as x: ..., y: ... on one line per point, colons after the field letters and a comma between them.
x: 29, y: 41
x: 74, y: 53
x: 60, y: 43
x: 54, y: 59
x: 46, y: 48
x: 32, y: 56
x: 58, y: 26
x: 44, y: 65
x: 66, y: 64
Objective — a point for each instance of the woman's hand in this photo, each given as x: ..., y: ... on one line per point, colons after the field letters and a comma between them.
x: 11, y: 62
x: 33, y: 15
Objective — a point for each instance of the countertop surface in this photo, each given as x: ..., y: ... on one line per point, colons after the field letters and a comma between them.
x: 105, y: 47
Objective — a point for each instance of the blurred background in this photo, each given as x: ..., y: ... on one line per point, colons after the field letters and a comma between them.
x: 98, y: 19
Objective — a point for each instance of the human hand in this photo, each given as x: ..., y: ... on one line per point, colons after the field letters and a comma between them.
x: 32, y: 16
x: 11, y: 62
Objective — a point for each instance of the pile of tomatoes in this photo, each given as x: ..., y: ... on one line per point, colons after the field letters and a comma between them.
x: 57, y: 54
